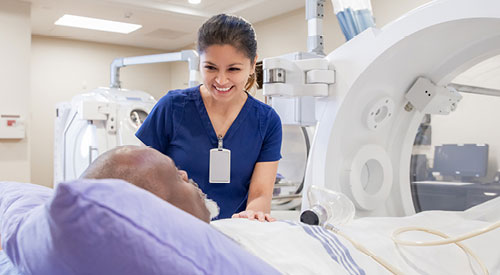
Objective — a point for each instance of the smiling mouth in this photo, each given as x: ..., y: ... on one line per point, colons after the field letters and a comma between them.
x: 223, y: 90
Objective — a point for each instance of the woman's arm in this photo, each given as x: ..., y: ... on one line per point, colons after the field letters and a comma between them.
x: 260, y: 192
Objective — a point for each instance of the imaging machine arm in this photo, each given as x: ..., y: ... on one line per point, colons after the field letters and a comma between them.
x: 385, y: 81
x: 190, y: 56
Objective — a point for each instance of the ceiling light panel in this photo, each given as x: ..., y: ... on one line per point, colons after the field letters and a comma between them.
x: 96, y: 24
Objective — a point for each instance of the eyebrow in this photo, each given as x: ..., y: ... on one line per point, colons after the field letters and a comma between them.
x: 213, y: 64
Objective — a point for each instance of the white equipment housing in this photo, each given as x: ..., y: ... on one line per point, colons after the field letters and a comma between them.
x: 368, y: 121
x: 93, y: 123
x: 294, y: 81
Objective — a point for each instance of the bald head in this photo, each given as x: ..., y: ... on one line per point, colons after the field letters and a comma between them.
x: 151, y: 170
x: 141, y: 166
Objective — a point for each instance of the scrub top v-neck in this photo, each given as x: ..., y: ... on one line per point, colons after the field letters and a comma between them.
x: 179, y: 127
x: 205, y: 118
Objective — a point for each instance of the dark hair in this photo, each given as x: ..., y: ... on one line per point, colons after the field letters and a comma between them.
x: 232, y: 30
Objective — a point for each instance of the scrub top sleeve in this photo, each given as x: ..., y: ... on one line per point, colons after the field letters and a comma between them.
x: 271, y: 146
x: 156, y: 129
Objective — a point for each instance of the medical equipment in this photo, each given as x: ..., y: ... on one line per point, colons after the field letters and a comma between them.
x: 328, y: 208
x: 464, y: 161
x: 284, y: 81
x: 189, y: 56
x: 97, y: 121
x: 94, y: 122
x: 448, y: 240
x: 354, y: 16
x: 314, y: 16
x: 295, y: 148
x: 293, y: 80
x: 331, y: 209
x: 385, y: 82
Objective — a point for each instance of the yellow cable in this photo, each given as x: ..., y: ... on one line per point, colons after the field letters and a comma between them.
x: 447, y: 240
x: 399, y: 231
x: 441, y: 242
x: 363, y: 249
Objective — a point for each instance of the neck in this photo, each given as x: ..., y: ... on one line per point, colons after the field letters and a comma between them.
x: 222, y: 106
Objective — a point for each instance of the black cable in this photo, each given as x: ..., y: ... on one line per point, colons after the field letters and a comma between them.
x: 308, y: 148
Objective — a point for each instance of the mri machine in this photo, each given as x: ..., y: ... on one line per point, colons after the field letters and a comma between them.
x: 370, y: 95
x: 97, y: 121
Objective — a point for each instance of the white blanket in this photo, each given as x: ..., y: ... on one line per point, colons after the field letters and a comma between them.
x: 295, y: 248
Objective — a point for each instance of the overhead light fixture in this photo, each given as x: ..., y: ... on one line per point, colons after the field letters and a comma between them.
x: 96, y: 24
x: 194, y: 1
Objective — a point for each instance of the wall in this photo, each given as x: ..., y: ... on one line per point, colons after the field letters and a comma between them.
x: 63, y: 68
x: 15, y: 35
x: 386, y: 11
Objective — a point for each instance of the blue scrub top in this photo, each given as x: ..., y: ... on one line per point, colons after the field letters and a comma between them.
x: 179, y: 127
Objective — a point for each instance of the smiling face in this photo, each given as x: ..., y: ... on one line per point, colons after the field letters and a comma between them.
x: 225, y: 71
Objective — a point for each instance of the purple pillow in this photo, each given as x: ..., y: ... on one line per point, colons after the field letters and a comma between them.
x: 16, y: 202
x: 114, y: 227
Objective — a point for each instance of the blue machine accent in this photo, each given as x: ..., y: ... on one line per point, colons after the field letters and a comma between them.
x: 468, y: 160
x: 352, y: 22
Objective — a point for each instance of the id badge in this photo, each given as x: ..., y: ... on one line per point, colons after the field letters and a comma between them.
x: 220, y: 166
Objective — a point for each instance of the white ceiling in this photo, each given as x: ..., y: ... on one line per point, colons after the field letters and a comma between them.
x: 167, y: 24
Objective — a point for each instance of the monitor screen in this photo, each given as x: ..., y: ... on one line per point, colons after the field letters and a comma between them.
x: 464, y: 160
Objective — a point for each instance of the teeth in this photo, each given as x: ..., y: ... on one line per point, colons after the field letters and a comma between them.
x: 222, y: 89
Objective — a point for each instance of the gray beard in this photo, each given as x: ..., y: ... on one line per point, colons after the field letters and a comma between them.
x: 212, y: 207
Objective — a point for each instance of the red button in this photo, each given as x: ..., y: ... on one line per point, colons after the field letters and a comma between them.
x: 11, y: 122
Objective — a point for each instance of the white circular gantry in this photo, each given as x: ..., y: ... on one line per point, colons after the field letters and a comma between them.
x: 364, y: 135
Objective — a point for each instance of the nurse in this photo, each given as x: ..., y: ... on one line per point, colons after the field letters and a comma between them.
x: 226, y: 140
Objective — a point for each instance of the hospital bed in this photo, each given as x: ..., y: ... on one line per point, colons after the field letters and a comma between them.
x: 113, y: 227
x: 297, y: 248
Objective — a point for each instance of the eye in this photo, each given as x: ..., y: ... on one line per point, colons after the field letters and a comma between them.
x: 210, y: 68
x: 234, y: 69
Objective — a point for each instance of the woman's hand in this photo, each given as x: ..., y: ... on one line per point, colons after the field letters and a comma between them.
x: 254, y: 215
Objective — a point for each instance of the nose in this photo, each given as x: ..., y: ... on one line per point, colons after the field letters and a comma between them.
x: 221, y: 78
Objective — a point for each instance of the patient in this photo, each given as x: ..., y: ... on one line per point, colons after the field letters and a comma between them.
x: 149, y: 169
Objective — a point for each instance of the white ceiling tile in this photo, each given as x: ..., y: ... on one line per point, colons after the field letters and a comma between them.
x: 167, y: 24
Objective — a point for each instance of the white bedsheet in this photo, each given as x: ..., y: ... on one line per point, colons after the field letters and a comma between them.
x: 295, y: 248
